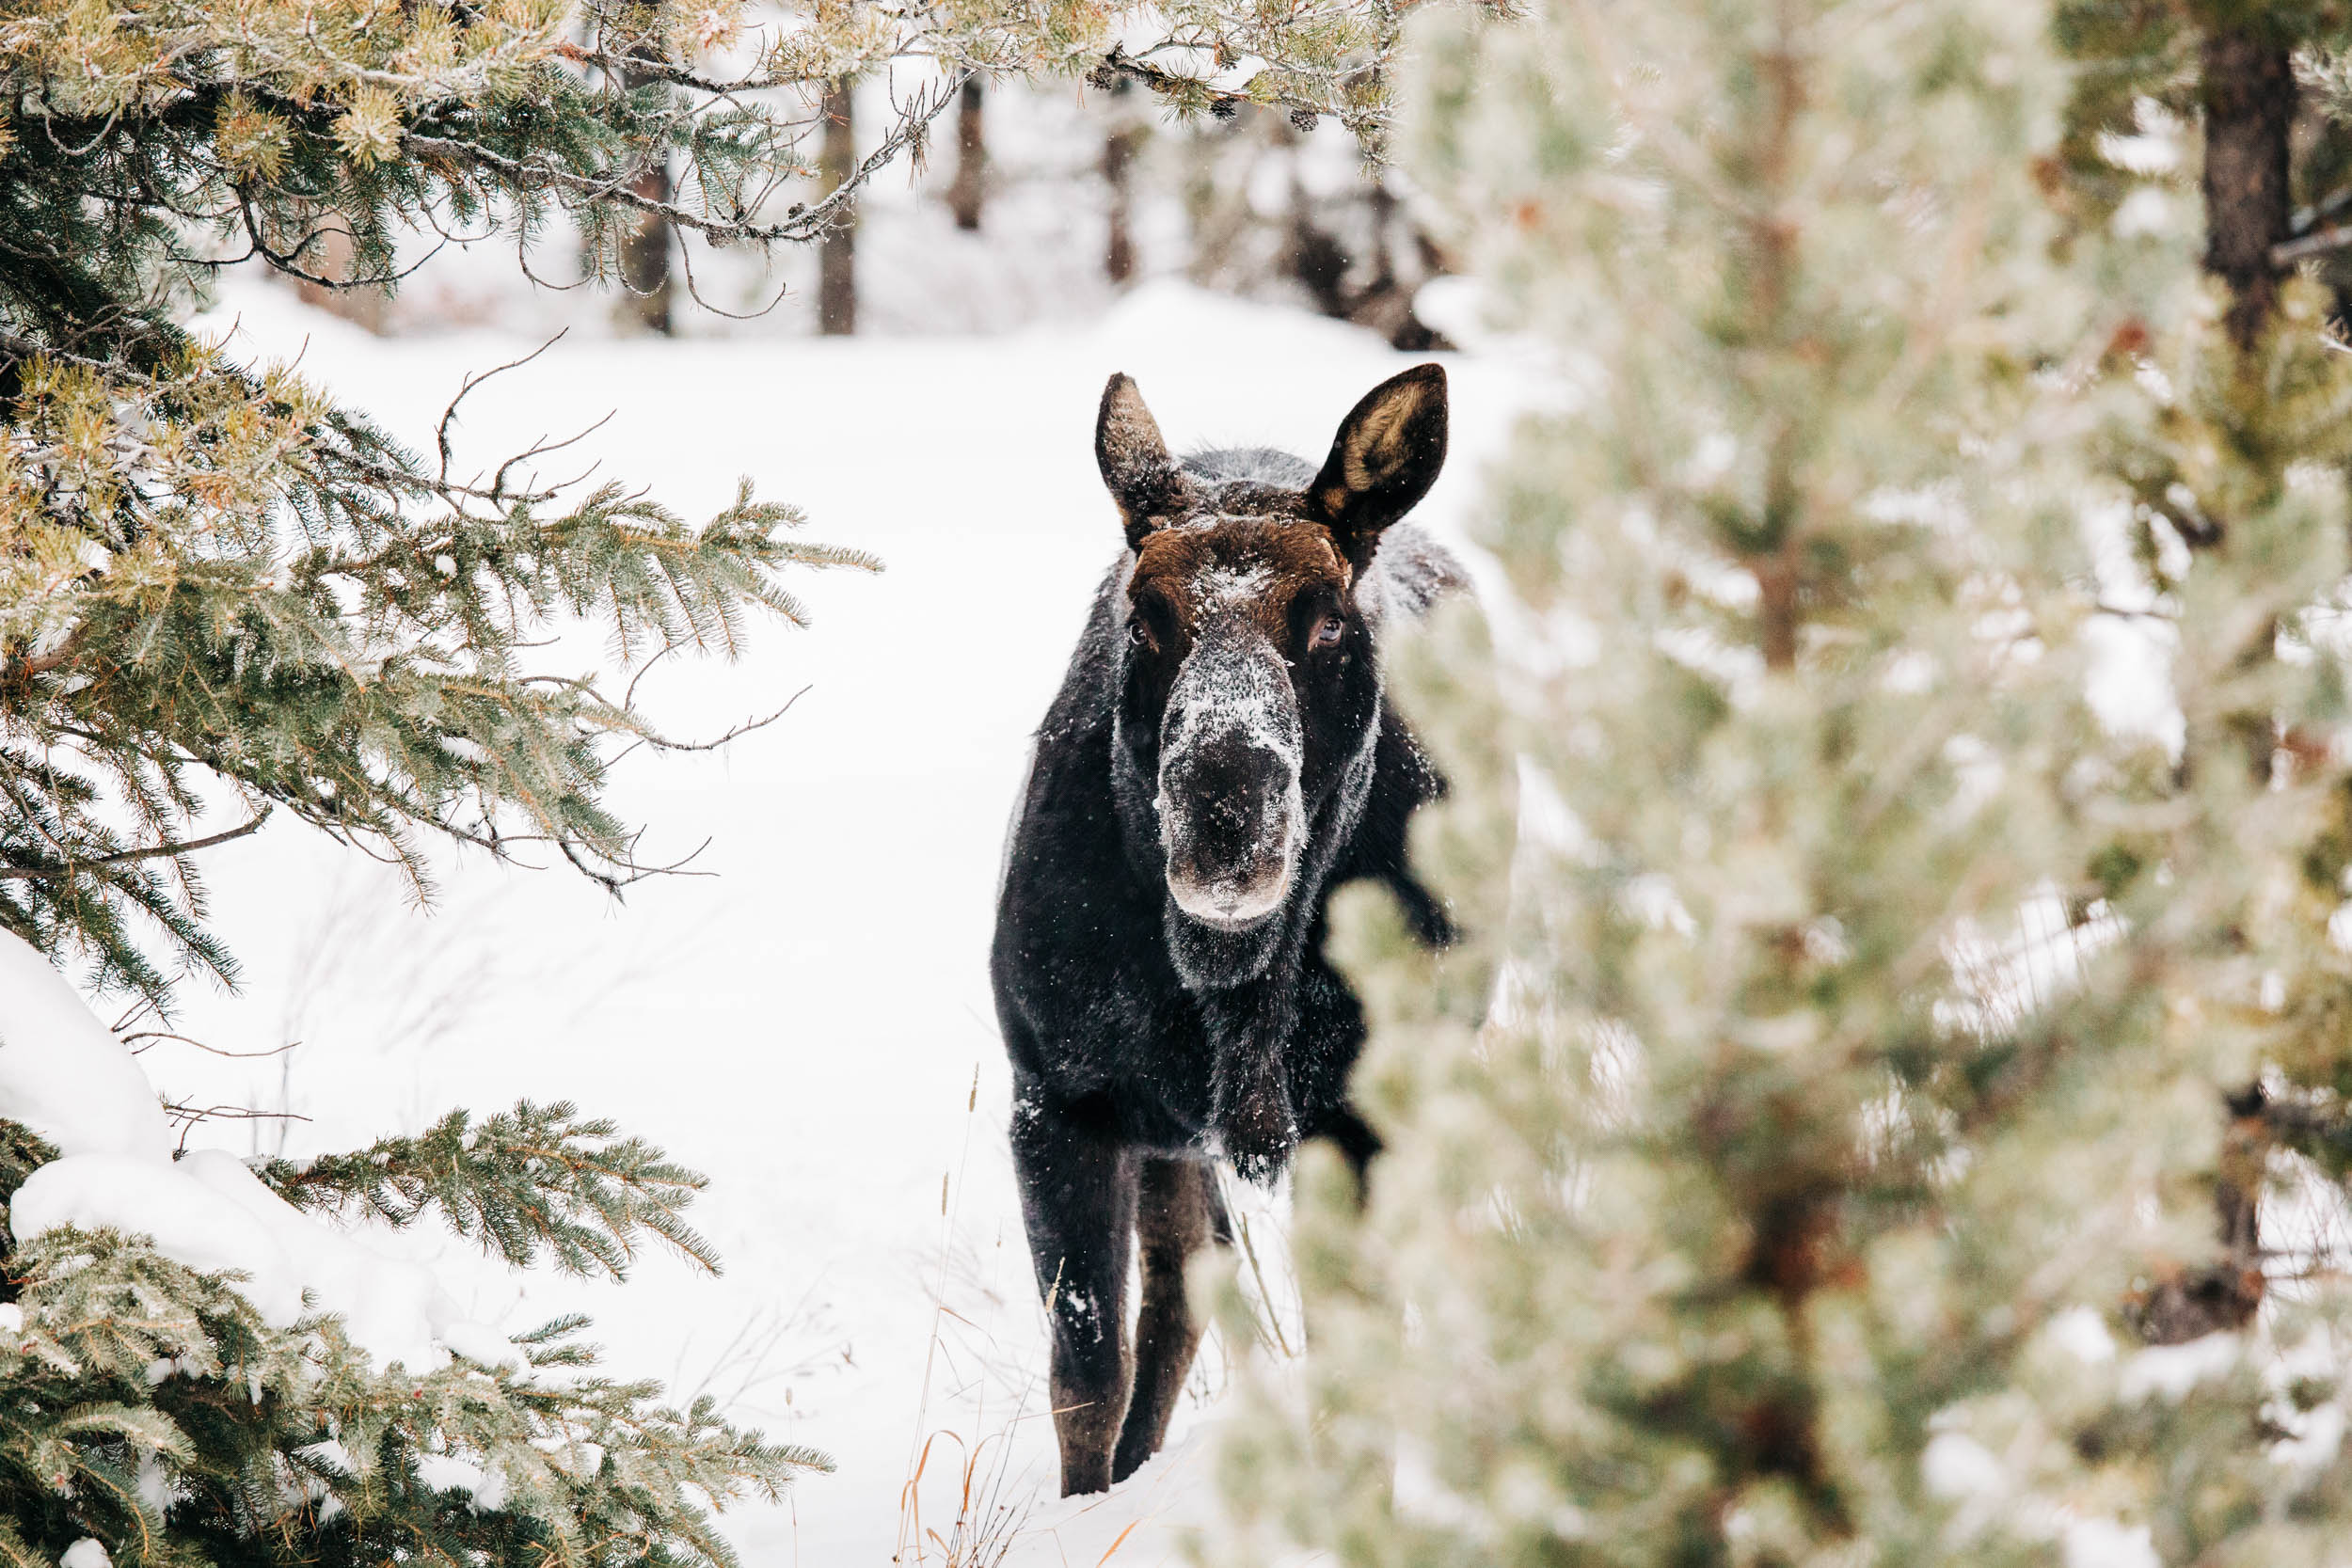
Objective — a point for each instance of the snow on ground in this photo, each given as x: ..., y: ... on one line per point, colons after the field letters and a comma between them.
x: 808, y: 1022
x: 65, y: 1077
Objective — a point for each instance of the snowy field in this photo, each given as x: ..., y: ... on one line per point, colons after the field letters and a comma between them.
x: 808, y: 1019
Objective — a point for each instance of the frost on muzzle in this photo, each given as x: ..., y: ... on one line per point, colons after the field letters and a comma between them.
x: 1232, y: 817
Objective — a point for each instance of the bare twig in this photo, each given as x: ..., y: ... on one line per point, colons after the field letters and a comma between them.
x: 660, y: 743
x: 2318, y: 242
x: 189, y: 1117
x: 151, y: 1035
x: 449, y: 415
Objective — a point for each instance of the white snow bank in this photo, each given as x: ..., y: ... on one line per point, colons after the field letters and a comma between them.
x: 189, y: 1222
x: 63, y: 1074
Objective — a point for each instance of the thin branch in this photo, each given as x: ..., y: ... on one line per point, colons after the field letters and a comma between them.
x: 628, y: 873
x: 151, y: 1035
x: 497, y: 492
x: 189, y: 1117
x: 41, y: 664
x: 1223, y: 100
x: 661, y: 744
x: 2127, y: 614
x: 289, y: 263
x: 2333, y: 236
x: 24, y: 873
x: 803, y: 222
x: 449, y: 415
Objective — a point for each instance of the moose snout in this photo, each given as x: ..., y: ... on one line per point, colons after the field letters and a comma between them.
x: 1229, y: 809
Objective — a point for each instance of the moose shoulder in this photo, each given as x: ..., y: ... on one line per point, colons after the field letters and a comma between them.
x: 1219, y: 757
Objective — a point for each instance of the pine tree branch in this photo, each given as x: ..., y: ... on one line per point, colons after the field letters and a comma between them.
x: 156, y: 851
x: 533, y: 1177
x: 129, y: 1370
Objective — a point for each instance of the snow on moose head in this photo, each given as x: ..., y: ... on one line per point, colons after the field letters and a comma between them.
x: 1249, y: 693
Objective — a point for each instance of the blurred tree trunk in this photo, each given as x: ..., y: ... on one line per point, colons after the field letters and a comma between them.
x: 331, y: 257
x: 836, y: 255
x: 2249, y: 95
x: 966, y: 195
x: 1119, y: 156
x: 2250, y: 113
x: 645, y: 249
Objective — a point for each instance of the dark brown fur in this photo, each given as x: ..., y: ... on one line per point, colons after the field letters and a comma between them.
x: 1221, y: 755
x: 1172, y: 562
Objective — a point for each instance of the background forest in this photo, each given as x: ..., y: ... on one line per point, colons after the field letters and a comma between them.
x: 532, y: 539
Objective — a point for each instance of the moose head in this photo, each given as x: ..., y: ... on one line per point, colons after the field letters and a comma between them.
x: 1251, y: 696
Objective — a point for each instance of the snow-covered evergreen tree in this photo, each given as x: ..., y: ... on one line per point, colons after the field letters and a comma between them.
x: 196, y: 1368
x: 224, y: 596
x: 218, y: 589
x: 1812, y: 1155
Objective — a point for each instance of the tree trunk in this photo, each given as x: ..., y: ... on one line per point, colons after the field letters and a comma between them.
x: 836, y: 254
x: 966, y: 195
x: 2248, y: 93
x: 331, y: 257
x: 1119, y: 156
x: 646, y: 258
x: 645, y: 249
x: 2248, y: 96
x: 1119, y: 250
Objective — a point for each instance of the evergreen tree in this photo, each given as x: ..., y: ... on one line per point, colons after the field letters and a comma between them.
x: 2232, y: 73
x: 1813, y: 1157
x: 222, y: 594
x: 154, y: 1410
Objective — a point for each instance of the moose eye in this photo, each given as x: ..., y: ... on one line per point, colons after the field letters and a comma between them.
x: 1329, y: 631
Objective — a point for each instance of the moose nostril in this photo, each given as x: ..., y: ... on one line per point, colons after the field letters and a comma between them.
x: 1222, y: 798
x: 1227, y: 776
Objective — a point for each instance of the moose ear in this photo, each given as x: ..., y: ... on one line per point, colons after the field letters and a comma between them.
x: 1387, y: 455
x: 1141, y: 477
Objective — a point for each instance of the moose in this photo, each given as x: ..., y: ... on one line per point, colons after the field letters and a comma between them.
x: 1221, y: 757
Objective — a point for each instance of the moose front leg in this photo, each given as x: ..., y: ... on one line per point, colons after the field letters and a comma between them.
x: 1078, y: 1204
x: 1177, y: 1212
x: 1330, y: 1037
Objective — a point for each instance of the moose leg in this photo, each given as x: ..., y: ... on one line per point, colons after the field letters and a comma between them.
x: 1078, y: 1204
x: 1330, y: 1039
x: 1176, y: 1213
x: 1353, y: 1136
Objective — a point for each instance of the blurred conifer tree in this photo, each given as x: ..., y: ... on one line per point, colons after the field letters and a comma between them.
x: 1814, y: 1157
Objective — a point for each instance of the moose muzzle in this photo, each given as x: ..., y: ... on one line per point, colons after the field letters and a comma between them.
x: 1232, y: 819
